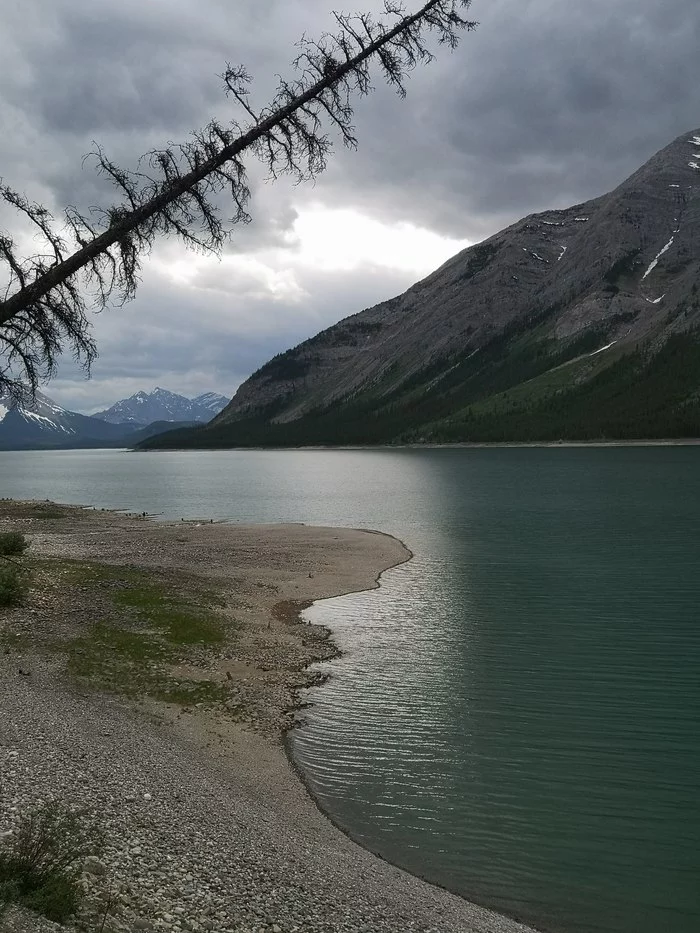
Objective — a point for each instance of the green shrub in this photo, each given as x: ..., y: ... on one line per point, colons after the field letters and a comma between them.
x: 41, y: 864
x: 14, y: 583
x: 12, y: 542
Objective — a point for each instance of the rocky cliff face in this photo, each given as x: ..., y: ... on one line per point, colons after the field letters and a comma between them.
x: 564, y: 291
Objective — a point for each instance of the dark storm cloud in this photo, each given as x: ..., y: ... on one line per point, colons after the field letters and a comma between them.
x: 545, y: 105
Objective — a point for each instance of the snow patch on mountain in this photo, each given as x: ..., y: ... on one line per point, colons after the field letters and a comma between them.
x: 47, y: 422
x: 37, y: 422
x: 658, y: 256
x: 43, y: 412
x: 606, y: 347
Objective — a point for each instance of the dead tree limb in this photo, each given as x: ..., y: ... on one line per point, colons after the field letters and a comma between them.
x: 175, y: 190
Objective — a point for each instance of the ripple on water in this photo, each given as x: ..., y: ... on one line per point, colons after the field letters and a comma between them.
x: 516, y: 713
x: 525, y: 730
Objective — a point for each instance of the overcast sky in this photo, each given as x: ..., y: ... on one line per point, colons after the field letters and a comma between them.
x: 548, y: 103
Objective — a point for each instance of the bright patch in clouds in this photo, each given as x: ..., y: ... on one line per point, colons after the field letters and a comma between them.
x: 200, y: 323
x: 343, y: 239
x: 322, y: 239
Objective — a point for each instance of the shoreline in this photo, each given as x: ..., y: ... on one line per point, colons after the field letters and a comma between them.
x: 309, y: 873
x: 297, y: 769
x: 457, y: 445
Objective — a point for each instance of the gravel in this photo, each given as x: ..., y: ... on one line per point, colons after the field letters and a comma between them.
x: 186, y: 847
x: 206, y: 826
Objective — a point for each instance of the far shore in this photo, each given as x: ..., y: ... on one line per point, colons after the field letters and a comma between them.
x: 207, y: 825
x: 460, y: 445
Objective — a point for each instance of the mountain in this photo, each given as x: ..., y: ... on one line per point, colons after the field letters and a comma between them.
x: 45, y: 424
x: 575, y: 323
x: 211, y: 402
x: 144, y: 408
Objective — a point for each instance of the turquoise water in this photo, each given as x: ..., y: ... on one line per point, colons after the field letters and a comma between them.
x: 517, y: 712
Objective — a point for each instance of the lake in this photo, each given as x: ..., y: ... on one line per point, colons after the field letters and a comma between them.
x: 517, y: 711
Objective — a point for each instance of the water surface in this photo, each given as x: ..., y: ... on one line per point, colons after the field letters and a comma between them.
x: 517, y: 712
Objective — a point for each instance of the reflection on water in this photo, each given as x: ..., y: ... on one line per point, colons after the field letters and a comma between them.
x: 516, y: 712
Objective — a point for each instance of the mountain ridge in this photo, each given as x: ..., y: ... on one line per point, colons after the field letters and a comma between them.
x: 501, y: 332
x: 42, y: 424
x: 144, y: 408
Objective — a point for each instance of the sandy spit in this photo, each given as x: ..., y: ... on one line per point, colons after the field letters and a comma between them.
x: 208, y: 827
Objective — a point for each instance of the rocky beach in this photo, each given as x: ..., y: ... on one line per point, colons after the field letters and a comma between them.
x: 178, y: 751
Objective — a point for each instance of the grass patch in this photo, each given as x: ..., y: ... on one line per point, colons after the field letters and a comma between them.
x: 141, y: 624
x: 186, y: 629
x: 179, y: 623
x: 150, y: 626
x: 136, y: 664
x: 177, y: 612
x: 113, y: 642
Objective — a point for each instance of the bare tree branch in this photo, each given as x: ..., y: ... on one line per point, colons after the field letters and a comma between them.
x: 175, y: 190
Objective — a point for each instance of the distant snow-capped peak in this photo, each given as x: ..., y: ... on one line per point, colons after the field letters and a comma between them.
x: 144, y: 408
x: 42, y: 412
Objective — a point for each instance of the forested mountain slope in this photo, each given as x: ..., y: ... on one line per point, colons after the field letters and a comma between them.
x: 577, y: 323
